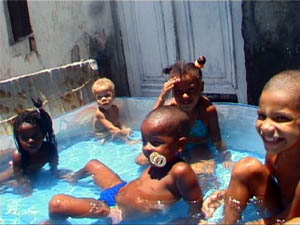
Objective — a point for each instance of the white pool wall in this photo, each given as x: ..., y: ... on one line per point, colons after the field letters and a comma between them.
x: 237, y: 122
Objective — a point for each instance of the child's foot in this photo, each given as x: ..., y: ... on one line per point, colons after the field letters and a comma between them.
x: 213, y: 202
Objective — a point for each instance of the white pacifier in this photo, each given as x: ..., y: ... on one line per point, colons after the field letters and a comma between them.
x: 157, y: 159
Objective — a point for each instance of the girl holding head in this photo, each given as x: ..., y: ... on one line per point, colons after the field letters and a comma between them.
x: 185, y: 81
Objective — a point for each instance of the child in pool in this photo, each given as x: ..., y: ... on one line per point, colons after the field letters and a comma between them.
x: 164, y: 182
x: 187, y: 85
x: 276, y: 183
x: 36, y: 146
x: 107, y: 120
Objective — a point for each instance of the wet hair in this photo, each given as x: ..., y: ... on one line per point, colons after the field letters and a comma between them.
x: 36, y: 117
x: 288, y: 80
x: 175, y: 120
x: 184, y: 69
x: 103, y: 82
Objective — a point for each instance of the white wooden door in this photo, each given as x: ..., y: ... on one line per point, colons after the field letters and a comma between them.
x: 157, y: 33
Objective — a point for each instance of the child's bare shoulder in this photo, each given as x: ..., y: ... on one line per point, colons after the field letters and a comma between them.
x: 99, y: 114
x: 16, y: 157
x: 115, y: 107
x: 181, y: 169
x: 207, y: 105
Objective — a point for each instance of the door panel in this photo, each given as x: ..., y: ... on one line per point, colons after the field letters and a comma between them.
x: 156, y: 33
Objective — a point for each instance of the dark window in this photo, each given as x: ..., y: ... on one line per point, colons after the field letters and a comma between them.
x: 19, y: 18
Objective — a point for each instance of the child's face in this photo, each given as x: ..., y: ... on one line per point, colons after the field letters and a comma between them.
x: 187, y: 93
x: 30, y: 137
x: 154, y: 140
x: 104, y: 97
x: 278, y: 121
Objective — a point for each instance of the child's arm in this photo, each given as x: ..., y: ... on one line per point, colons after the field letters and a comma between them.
x: 188, y: 186
x: 23, y: 180
x: 53, y: 163
x: 294, y: 210
x: 215, y: 133
x: 168, y: 86
x: 53, y: 160
x: 110, y: 126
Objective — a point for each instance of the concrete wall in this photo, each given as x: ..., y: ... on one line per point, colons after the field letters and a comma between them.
x: 65, y: 32
x: 271, y: 31
x: 62, y: 89
x: 68, y: 31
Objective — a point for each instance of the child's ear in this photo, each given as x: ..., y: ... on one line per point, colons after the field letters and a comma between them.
x: 181, y: 144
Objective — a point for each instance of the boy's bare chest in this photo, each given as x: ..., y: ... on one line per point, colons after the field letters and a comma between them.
x: 112, y: 115
x: 157, y: 188
x: 287, y: 173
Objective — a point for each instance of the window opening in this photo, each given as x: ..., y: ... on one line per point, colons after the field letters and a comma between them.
x: 19, y: 19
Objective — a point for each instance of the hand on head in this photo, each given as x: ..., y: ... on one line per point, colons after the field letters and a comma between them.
x: 168, y: 86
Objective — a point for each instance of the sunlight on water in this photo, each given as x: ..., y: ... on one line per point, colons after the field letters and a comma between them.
x: 74, y: 155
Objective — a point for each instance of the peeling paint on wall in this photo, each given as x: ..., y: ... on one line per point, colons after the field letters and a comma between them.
x: 62, y: 89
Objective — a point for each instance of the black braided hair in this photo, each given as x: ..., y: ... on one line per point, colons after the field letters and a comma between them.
x: 201, y: 60
x: 39, y: 118
x: 182, y: 68
x: 167, y: 70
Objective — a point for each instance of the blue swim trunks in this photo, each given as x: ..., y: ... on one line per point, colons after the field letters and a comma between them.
x: 109, y: 195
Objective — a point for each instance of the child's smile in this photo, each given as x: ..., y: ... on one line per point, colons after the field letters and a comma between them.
x: 187, y: 93
x: 278, y: 121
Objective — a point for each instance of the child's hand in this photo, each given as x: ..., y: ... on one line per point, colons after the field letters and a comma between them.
x: 213, y: 202
x: 63, y: 173
x: 24, y: 190
x: 123, y: 132
x: 71, y: 178
x: 229, y: 164
x: 168, y: 86
x: 126, y: 131
x: 24, y: 186
x: 116, y: 215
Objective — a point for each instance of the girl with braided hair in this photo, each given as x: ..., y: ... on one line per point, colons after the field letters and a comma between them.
x: 35, y: 146
x: 185, y: 81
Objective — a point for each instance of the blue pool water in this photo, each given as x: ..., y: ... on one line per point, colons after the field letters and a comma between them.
x: 119, y: 156
x: 76, y: 148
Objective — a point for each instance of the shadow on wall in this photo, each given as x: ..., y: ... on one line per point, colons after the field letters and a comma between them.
x: 62, y: 89
x: 271, y: 33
